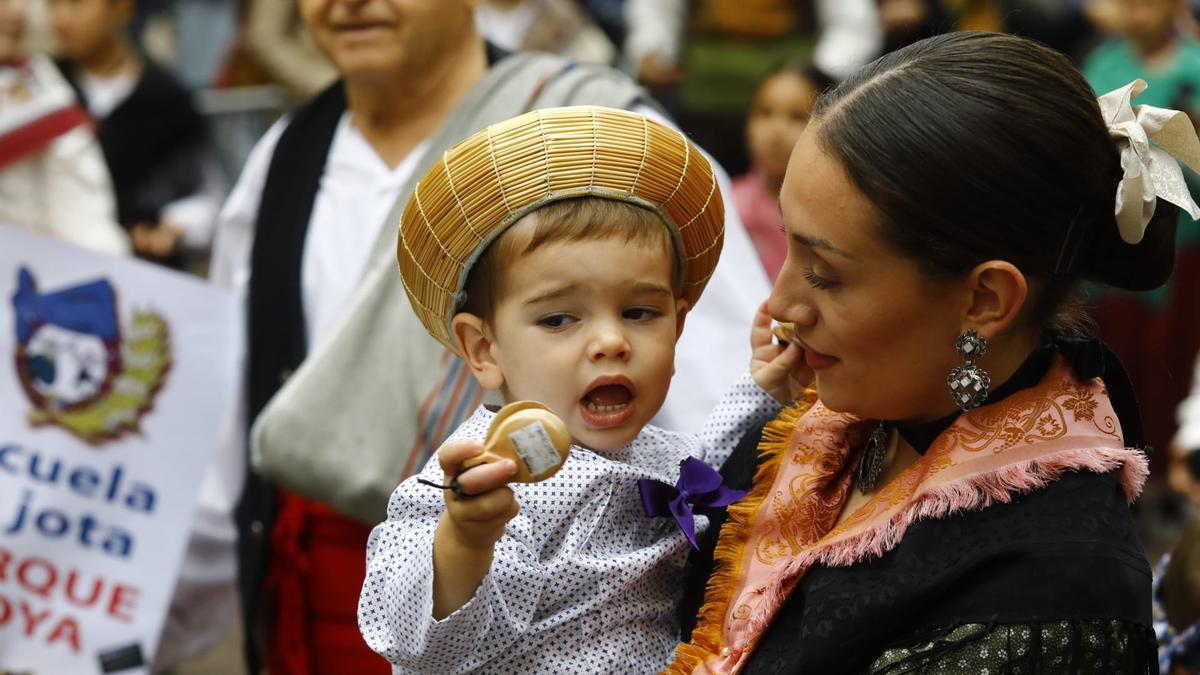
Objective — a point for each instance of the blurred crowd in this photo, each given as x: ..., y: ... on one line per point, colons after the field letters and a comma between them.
x: 125, y: 124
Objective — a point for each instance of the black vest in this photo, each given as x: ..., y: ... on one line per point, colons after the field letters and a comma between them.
x: 275, y: 319
x: 154, y: 143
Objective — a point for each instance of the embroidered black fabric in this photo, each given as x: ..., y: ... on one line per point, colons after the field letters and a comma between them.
x: 1053, y: 582
x: 1082, y: 647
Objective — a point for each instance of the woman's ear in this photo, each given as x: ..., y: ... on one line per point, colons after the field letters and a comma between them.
x: 475, y: 340
x: 998, y: 292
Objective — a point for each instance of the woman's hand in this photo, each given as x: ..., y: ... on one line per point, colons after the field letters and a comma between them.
x: 779, y: 370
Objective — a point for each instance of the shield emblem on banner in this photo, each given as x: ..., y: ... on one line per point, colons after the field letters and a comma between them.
x: 78, y: 368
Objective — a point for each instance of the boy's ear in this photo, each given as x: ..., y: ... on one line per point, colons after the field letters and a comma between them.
x: 681, y: 309
x: 474, y: 341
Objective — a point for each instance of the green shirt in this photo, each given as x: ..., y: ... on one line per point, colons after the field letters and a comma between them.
x: 1116, y: 63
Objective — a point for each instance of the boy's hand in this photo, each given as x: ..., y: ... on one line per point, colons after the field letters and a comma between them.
x: 780, y: 371
x: 477, y: 520
x: 466, y: 535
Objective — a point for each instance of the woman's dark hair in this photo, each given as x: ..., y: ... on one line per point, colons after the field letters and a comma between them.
x: 984, y: 146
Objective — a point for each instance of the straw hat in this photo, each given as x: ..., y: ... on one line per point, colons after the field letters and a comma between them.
x: 488, y: 181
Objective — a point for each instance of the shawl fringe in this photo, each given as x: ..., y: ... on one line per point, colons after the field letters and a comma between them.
x: 970, y: 493
x: 731, y: 542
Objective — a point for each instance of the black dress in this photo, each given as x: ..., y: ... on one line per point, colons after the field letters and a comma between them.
x: 1053, y: 582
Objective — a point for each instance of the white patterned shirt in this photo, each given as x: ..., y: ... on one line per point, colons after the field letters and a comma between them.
x: 582, y: 580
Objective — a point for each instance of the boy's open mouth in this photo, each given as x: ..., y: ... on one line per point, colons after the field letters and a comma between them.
x: 608, y: 401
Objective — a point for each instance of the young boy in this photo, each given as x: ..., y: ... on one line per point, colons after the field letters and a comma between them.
x: 155, y: 142
x: 52, y: 176
x: 615, y: 228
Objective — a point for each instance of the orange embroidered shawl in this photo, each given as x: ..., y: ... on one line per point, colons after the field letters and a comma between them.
x: 808, y: 454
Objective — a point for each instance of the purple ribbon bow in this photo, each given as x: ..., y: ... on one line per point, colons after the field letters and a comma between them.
x: 698, y: 485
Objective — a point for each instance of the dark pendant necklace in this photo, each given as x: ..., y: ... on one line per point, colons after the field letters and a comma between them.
x: 870, y: 465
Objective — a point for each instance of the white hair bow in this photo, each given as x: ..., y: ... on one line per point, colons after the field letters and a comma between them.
x: 1151, y: 171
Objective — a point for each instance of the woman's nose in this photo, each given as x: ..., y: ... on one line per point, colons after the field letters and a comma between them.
x: 789, y: 301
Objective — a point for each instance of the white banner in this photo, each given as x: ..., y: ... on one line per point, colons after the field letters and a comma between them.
x: 114, y: 375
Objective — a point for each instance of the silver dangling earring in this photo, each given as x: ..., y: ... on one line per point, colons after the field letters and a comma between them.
x: 969, y: 383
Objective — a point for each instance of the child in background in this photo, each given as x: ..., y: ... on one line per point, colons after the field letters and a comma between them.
x: 1151, y: 48
x: 781, y: 110
x: 154, y: 140
x: 52, y: 177
x: 588, y: 234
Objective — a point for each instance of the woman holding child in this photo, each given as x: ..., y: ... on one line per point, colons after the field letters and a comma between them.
x: 953, y: 496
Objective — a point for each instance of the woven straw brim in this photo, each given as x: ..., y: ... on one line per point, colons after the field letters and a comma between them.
x: 490, y: 180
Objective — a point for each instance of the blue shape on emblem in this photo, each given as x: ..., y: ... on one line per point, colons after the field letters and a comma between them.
x: 89, y: 308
